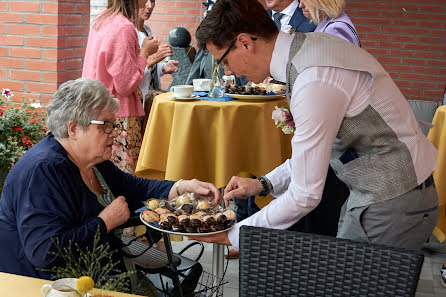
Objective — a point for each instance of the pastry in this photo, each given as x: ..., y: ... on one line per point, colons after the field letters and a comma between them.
x: 150, y: 216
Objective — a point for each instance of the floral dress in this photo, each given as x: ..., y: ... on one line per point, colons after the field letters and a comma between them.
x: 127, y: 144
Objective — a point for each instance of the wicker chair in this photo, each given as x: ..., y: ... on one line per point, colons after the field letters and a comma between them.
x: 287, y: 263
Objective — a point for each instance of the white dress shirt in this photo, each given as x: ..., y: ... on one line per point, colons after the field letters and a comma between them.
x: 287, y: 13
x: 321, y: 98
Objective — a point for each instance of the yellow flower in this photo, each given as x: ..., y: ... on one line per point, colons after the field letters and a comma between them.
x: 84, y: 284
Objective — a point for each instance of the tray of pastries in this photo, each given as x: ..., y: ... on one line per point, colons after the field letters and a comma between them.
x: 185, y: 215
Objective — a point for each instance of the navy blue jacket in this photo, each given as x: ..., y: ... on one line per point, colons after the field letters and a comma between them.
x: 298, y: 21
x: 44, y: 197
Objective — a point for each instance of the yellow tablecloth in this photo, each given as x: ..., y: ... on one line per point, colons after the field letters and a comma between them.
x: 437, y: 135
x: 12, y: 285
x: 211, y: 140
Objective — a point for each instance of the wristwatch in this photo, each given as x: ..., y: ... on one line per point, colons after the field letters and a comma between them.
x: 266, y: 184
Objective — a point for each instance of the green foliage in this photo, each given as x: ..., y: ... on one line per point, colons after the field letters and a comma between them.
x: 21, y: 127
x: 96, y: 262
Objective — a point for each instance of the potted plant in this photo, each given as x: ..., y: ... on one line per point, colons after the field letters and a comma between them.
x: 21, y: 127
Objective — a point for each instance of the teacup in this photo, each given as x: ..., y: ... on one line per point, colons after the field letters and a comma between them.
x: 182, y: 91
x: 202, y: 84
x: 64, y: 287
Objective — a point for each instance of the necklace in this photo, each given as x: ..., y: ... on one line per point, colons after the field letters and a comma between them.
x: 89, y: 180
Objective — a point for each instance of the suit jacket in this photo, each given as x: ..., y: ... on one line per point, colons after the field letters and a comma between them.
x: 298, y: 21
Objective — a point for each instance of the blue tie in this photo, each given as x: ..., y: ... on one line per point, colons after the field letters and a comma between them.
x: 277, y: 16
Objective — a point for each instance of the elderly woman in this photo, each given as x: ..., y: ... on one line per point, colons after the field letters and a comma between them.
x: 65, y: 187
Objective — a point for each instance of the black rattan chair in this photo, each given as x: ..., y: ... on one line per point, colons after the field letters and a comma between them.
x: 287, y: 263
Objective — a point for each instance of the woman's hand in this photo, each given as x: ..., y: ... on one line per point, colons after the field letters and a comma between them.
x: 164, y: 51
x: 202, y: 190
x: 115, y: 214
x: 171, y: 67
x: 242, y: 187
x: 149, y: 46
x: 220, y: 238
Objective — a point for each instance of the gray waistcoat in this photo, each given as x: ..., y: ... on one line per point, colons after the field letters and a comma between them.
x: 388, y: 159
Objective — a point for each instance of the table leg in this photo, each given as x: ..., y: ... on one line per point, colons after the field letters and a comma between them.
x: 218, y: 255
x: 173, y: 269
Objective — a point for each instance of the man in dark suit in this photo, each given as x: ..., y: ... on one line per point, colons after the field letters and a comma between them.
x: 288, y: 12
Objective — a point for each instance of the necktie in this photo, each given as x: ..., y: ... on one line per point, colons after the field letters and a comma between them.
x: 277, y: 16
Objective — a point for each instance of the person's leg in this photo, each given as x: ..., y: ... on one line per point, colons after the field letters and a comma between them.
x: 406, y: 221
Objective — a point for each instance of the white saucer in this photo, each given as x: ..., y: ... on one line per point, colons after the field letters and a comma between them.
x: 193, y: 97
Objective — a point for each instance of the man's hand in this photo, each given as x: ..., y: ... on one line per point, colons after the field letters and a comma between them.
x: 202, y: 190
x: 115, y: 214
x: 220, y: 238
x: 241, y: 187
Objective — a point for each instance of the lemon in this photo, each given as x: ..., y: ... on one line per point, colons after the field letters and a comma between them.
x: 84, y: 284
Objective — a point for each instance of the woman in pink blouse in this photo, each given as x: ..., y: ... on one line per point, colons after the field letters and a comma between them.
x: 113, y: 56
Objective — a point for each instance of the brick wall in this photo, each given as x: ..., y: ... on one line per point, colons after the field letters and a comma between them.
x: 42, y: 44
x: 409, y: 38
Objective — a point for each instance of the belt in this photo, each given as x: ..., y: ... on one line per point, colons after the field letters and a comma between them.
x: 428, y: 182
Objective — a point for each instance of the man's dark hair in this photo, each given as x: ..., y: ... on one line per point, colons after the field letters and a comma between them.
x: 228, y: 18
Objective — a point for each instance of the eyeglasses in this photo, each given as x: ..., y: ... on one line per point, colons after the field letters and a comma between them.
x: 225, y: 65
x: 107, y: 125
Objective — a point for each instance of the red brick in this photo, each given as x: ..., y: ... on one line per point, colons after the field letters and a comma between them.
x: 367, y: 28
x: 428, y: 39
x: 79, y: 52
x: 86, y: 19
x: 41, y: 88
x: 378, y: 36
x: 423, y: 84
x: 42, y: 19
x: 403, y: 38
x: 66, y: 8
x: 369, y: 43
x: 11, y: 40
x: 20, y: 52
x: 49, y: 77
x: 402, y: 68
x: 41, y: 65
x: 418, y: 31
x: 392, y: 60
x: 13, y: 85
x: 25, y: 75
x: 73, y: 41
x: 24, y: 29
x: 372, y: 21
x: 429, y: 24
x: 189, y: 4
x: 82, y: 8
x: 24, y: 6
x: 431, y: 70
x: 81, y: 30
x: 3, y: 73
x: 46, y: 99
x: 416, y: 46
x: 420, y: 16
x: 388, y: 44
x: 50, y: 31
x: 412, y: 61
x: 438, y: 63
x: 402, y: 83
x: 186, y: 19
x: 41, y: 42
x: 12, y: 17
x: 404, y: 7
x: 410, y: 91
x: 73, y: 64
x: 425, y: 54
x: 3, y: 29
x: 392, y: 29
x: 73, y: 19
x: 50, y: 7
x: 3, y: 6
x: 49, y: 54
x: 441, y: 33
x: 434, y: 93
x: 438, y: 47
x: 12, y: 63
x: 404, y: 23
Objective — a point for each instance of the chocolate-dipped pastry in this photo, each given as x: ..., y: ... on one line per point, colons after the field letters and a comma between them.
x: 178, y: 212
x: 161, y: 210
x: 165, y: 225
x: 170, y: 217
x: 219, y: 227
x: 230, y: 214
x: 209, y: 220
x: 220, y: 218
x: 184, y: 220
x: 187, y: 208
x: 195, y: 220
x: 150, y: 216
x: 190, y: 229
x: 204, y: 229
x: 229, y: 223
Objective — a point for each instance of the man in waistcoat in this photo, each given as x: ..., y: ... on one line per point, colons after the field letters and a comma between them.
x: 348, y: 112
x: 288, y: 12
